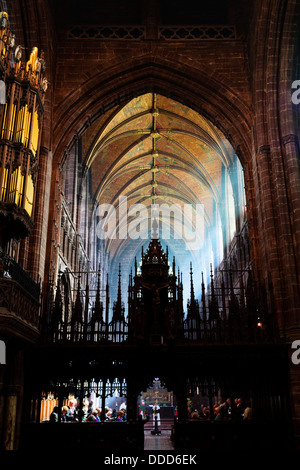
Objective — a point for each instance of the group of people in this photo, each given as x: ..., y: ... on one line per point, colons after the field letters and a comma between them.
x: 231, y: 409
x: 86, y: 413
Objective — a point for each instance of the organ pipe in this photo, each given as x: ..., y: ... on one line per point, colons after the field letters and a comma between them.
x: 20, y: 118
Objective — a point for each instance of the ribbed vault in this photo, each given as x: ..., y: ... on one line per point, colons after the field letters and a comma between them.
x: 155, y: 150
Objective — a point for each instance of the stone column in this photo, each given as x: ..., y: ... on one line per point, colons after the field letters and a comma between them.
x: 38, y: 237
x: 2, y: 400
x: 291, y: 159
x: 10, y: 417
x: 294, y: 382
x: 292, y: 329
x: 131, y: 400
x: 181, y: 396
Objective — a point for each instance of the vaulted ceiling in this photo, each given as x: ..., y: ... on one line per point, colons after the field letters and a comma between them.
x: 155, y: 151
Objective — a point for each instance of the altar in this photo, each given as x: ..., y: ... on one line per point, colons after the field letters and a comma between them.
x: 157, y: 393
x: 166, y: 412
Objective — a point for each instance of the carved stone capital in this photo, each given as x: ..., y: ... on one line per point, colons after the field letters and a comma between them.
x: 263, y: 149
x: 289, y: 139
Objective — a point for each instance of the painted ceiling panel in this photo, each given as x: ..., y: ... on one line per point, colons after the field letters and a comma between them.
x: 135, y: 107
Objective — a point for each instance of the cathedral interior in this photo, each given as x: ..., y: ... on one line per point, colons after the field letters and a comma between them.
x: 149, y: 224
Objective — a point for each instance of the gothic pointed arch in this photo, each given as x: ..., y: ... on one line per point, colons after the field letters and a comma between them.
x: 107, y: 89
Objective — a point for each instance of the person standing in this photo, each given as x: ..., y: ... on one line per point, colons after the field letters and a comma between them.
x: 156, y: 413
